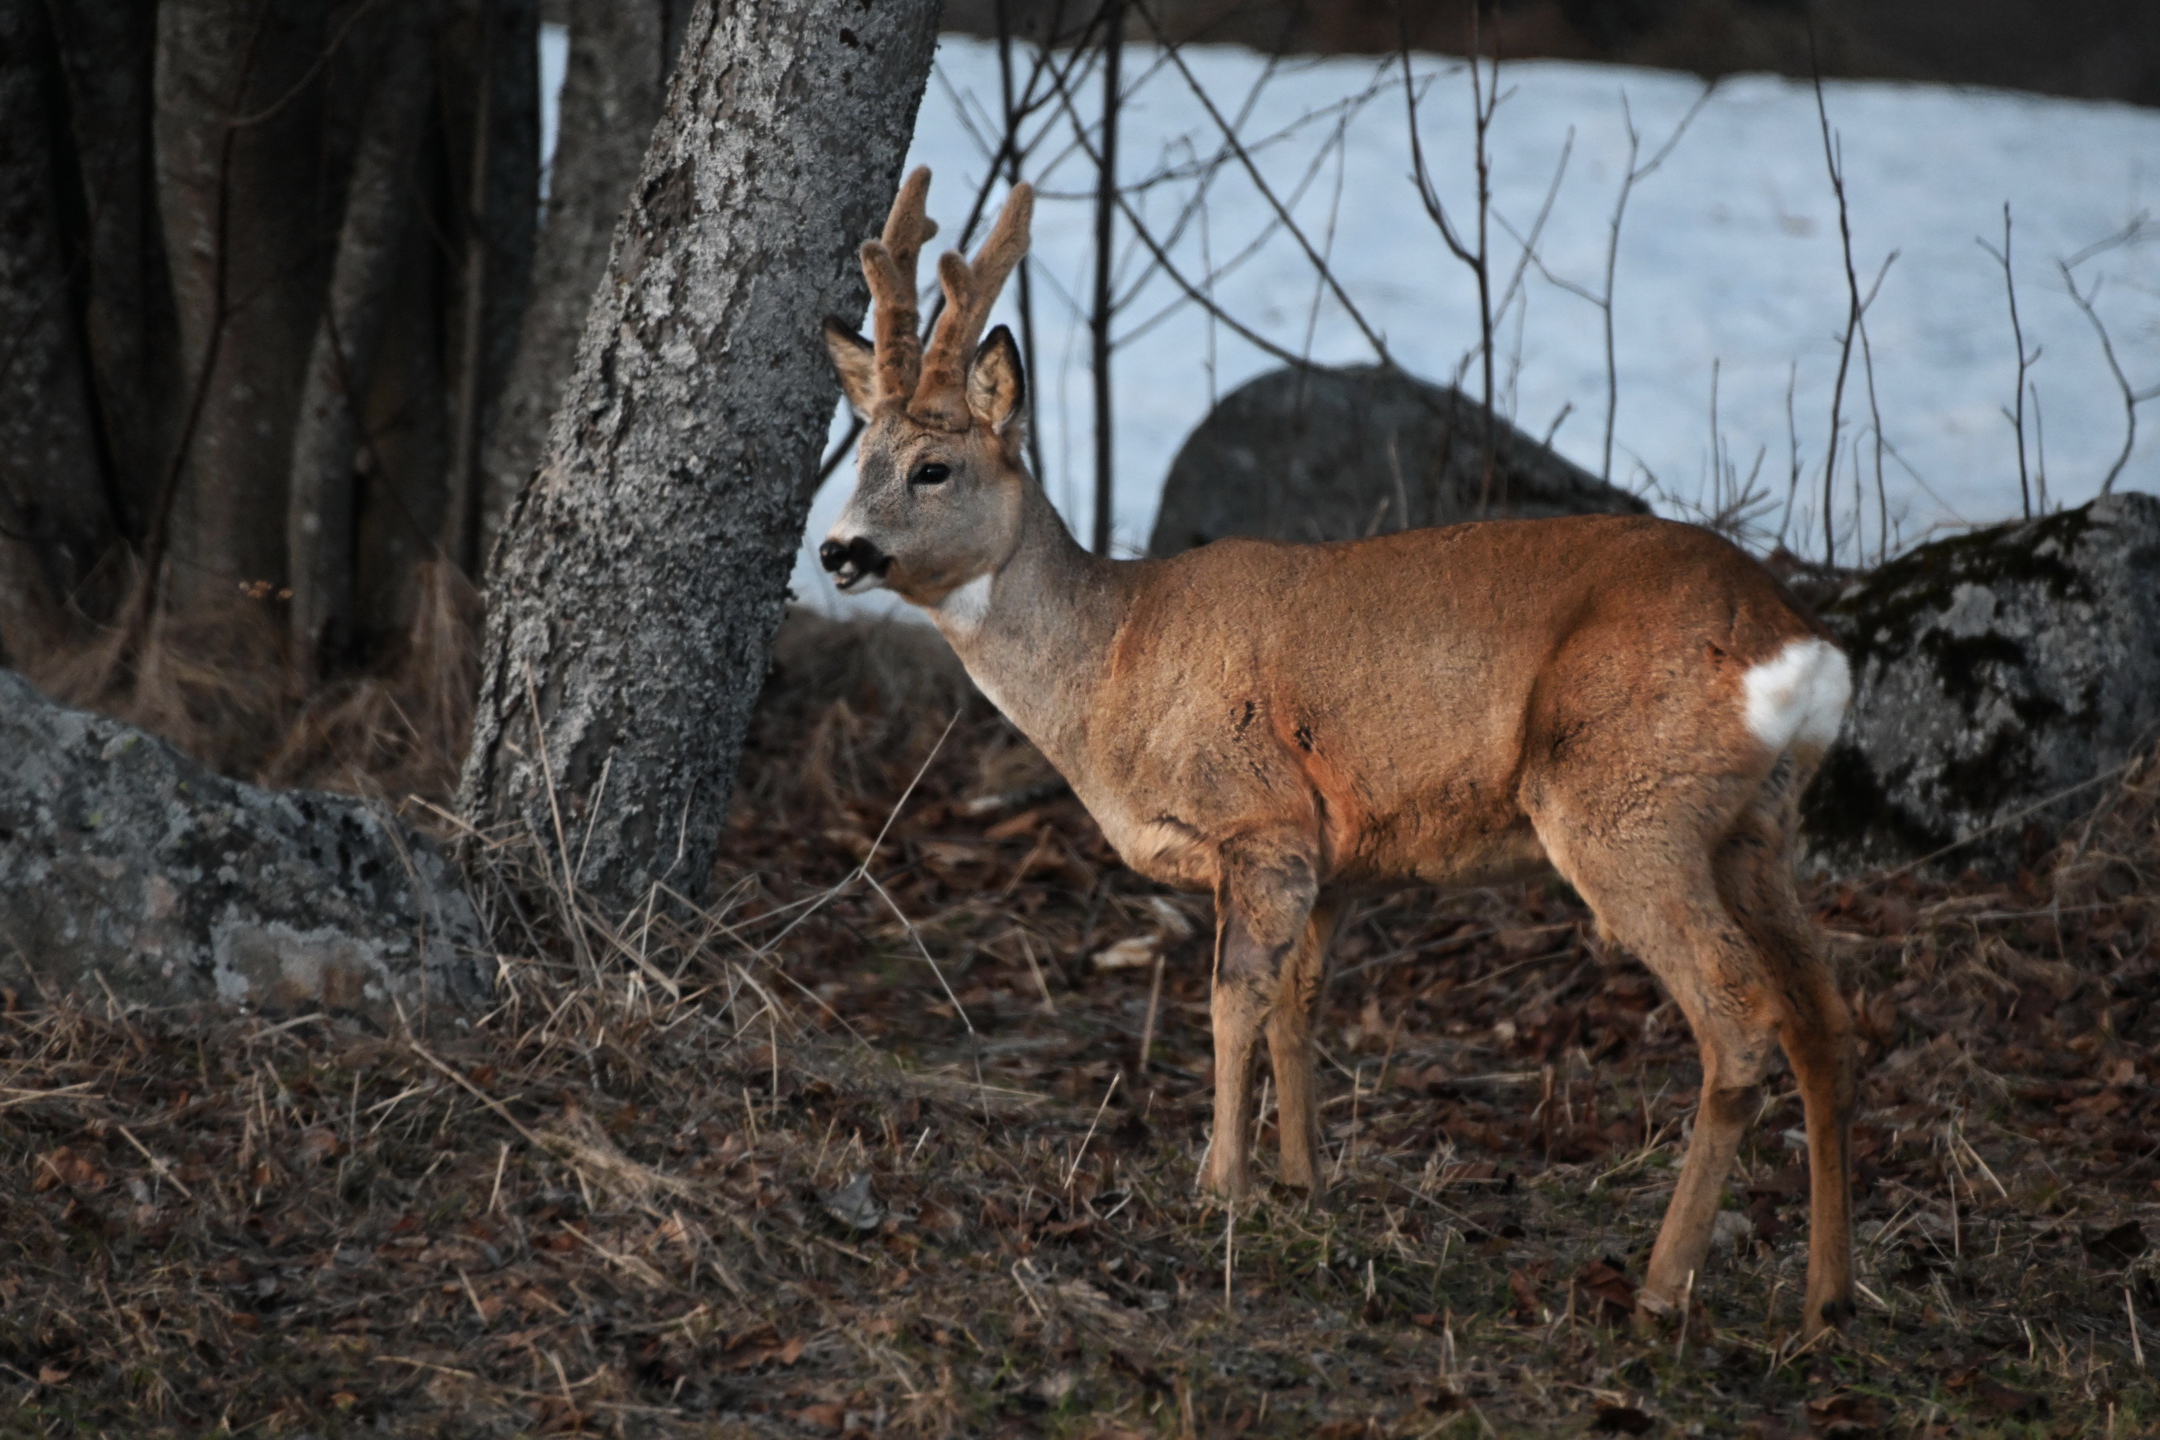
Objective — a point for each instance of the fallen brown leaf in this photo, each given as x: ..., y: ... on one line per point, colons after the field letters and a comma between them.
x: 1605, y: 1292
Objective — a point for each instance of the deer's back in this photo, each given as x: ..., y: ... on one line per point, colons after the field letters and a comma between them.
x: 1391, y: 694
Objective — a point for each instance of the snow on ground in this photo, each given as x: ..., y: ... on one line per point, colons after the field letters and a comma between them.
x: 1729, y: 262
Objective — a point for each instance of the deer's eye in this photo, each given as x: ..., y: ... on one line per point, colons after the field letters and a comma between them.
x: 931, y: 474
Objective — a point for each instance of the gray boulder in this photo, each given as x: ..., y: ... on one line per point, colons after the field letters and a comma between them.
x: 123, y: 864
x: 1995, y: 675
x: 1338, y: 454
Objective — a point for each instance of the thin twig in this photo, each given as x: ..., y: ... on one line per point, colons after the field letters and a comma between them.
x: 1831, y: 157
x: 1100, y: 310
x: 2131, y: 397
x: 1267, y: 193
x: 1161, y: 256
x: 1081, y: 1154
x: 1154, y: 1006
x: 1013, y: 116
x: 861, y: 871
x: 2025, y: 361
x: 1477, y: 259
x: 161, y: 1167
x: 562, y: 840
x: 1636, y: 172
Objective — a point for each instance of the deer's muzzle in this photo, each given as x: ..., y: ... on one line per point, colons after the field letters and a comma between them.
x: 850, y: 561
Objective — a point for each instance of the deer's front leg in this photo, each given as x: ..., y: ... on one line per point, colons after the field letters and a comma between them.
x: 1263, y: 903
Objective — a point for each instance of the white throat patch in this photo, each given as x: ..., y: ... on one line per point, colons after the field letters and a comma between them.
x: 965, y: 607
x: 960, y: 614
x: 1798, y: 694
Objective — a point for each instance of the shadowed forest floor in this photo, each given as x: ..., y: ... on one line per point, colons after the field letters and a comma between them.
x: 868, y: 1146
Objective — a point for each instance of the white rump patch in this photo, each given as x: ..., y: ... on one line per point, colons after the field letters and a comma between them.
x: 1798, y: 694
x: 965, y: 607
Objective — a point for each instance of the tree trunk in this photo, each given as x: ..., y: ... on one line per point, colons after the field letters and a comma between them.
x: 327, y: 435
x: 406, y: 460
x: 640, y: 577
x: 107, y: 53
x: 55, y: 523
x: 238, y: 121
x: 498, y: 66
x: 620, y: 55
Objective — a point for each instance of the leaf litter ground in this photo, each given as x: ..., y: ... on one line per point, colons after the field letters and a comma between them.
x: 898, y: 1134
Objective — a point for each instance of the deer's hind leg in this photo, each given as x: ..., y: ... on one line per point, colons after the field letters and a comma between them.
x: 1754, y: 869
x: 1290, y: 1049
x: 1264, y: 899
x: 1650, y: 879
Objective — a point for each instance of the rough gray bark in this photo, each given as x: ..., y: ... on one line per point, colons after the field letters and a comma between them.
x: 125, y: 865
x: 1994, y: 674
x: 620, y: 55
x: 242, y: 243
x: 327, y: 434
x: 496, y: 81
x: 1307, y: 455
x: 55, y: 523
x: 641, y: 575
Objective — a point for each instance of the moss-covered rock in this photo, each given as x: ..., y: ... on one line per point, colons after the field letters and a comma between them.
x: 1996, y: 676
x: 1337, y: 454
x: 126, y: 867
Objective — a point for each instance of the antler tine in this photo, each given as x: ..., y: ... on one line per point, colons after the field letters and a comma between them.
x: 907, y: 228
x: 970, y: 291
x: 889, y: 266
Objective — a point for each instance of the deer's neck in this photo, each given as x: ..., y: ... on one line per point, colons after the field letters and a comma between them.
x: 1036, y: 634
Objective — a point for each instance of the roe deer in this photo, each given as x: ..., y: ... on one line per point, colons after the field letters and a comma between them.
x: 1633, y: 701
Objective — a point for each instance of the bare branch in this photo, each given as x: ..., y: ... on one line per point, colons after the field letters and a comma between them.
x: 1195, y: 205
x: 1831, y: 158
x: 2024, y: 361
x: 1636, y: 172
x: 1162, y: 258
x: 2140, y: 227
x: 1195, y: 208
x: 1267, y: 193
x: 1484, y: 101
x: 1419, y: 175
x: 1482, y: 105
x: 1529, y: 243
x: 1099, y: 313
x: 2131, y: 398
x: 1014, y: 112
x: 1867, y: 370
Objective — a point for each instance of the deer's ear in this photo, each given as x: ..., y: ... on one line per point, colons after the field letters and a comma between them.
x: 996, y: 384
x: 856, y: 360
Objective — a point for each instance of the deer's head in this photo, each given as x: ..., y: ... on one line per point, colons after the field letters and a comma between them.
x: 938, y: 476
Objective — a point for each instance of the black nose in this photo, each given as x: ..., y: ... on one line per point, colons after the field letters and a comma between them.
x: 859, y: 552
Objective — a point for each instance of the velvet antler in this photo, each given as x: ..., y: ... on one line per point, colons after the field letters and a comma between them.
x: 970, y: 291
x: 889, y: 265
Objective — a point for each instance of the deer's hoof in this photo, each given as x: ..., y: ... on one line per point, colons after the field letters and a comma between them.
x: 1829, y: 1316
x: 1224, y: 1184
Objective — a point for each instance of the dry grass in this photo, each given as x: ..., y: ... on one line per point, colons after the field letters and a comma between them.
x: 403, y: 730
x: 821, y: 1159
x: 220, y: 687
